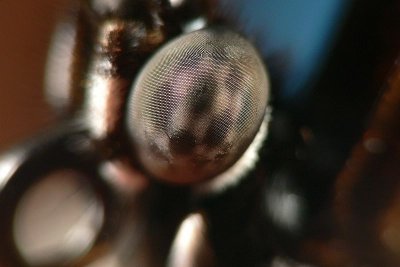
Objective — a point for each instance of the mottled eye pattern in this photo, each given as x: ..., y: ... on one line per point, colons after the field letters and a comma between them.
x: 197, y: 105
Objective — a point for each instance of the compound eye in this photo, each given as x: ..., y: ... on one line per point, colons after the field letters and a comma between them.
x: 197, y: 105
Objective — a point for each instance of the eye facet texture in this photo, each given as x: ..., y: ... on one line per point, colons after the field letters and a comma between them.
x: 197, y: 105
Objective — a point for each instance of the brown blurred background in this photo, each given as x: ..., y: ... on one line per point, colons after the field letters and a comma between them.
x: 25, y: 32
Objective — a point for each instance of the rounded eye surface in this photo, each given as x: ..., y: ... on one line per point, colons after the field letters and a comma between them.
x: 197, y: 105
